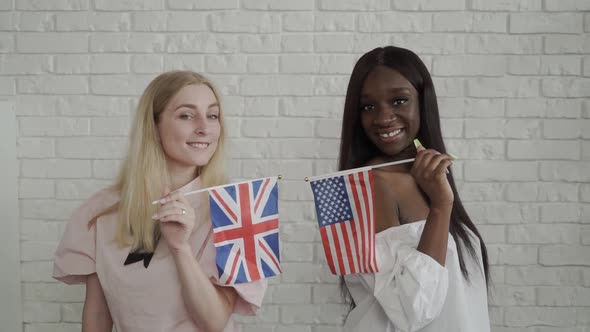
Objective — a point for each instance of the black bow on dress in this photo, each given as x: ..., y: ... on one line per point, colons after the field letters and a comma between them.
x: 136, y: 256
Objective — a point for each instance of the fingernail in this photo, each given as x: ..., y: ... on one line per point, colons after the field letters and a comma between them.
x: 155, y: 216
x: 452, y: 155
x: 417, y: 143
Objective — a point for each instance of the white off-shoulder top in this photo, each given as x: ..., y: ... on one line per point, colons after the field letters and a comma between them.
x: 413, y: 292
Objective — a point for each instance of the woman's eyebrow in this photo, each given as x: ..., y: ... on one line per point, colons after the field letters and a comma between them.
x: 191, y: 106
x: 400, y: 89
x: 194, y: 107
x: 394, y: 90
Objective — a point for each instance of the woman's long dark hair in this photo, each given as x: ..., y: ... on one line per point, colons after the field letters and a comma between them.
x: 357, y: 150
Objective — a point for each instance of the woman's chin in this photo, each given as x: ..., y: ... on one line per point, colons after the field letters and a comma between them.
x: 398, y: 151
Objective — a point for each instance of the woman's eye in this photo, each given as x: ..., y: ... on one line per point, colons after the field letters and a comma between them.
x: 367, y: 107
x: 186, y: 116
x: 213, y: 116
x: 400, y: 101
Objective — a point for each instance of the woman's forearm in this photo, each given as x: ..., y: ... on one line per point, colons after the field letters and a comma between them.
x: 96, y: 316
x: 96, y: 323
x: 209, y: 306
x: 435, y: 235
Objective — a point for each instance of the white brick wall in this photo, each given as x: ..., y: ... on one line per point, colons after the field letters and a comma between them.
x: 513, y: 79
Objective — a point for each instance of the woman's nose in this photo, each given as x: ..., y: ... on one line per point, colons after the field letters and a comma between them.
x: 385, y: 116
x: 201, y: 125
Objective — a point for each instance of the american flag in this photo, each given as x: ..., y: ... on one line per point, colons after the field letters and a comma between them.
x: 245, y: 220
x: 344, y: 207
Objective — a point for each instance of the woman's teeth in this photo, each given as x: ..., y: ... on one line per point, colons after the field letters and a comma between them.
x: 198, y: 145
x: 391, y: 134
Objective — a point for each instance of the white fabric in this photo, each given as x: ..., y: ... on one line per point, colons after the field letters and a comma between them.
x: 413, y: 292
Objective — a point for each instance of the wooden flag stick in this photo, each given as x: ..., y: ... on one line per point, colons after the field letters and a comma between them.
x: 216, y: 187
x: 359, y: 169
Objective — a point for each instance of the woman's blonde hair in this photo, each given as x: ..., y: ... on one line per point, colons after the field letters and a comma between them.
x: 144, y: 174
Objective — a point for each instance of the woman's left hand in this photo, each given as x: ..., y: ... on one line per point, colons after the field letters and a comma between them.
x: 429, y: 171
x: 177, y: 220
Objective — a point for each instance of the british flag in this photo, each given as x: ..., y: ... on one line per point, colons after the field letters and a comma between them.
x: 344, y: 207
x: 245, y: 220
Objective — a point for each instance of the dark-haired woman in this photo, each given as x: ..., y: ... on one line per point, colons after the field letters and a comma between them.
x: 433, y: 266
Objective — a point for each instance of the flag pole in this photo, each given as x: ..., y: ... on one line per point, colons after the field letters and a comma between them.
x: 417, y: 144
x: 279, y: 177
x: 359, y: 169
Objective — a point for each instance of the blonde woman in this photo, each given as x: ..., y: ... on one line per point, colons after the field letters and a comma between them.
x: 152, y: 267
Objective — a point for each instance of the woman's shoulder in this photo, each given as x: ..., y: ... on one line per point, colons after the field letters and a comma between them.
x: 104, y: 194
x: 102, y: 198
x: 97, y: 203
x: 392, y: 178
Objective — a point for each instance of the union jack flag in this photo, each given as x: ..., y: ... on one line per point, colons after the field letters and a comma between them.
x: 245, y: 220
x: 344, y: 207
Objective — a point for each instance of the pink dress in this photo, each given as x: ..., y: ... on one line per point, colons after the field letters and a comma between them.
x: 139, y: 298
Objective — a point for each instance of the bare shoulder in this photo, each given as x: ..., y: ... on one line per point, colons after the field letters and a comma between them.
x: 412, y: 204
x: 398, y: 197
x: 394, y: 176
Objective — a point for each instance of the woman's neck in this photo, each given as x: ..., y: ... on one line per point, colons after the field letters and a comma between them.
x: 407, y: 153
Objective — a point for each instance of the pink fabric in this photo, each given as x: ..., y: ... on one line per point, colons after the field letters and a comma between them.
x: 140, y: 299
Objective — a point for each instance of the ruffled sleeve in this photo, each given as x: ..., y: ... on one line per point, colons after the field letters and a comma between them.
x: 411, y: 287
x: 250, y: 294
x: 75, y: 255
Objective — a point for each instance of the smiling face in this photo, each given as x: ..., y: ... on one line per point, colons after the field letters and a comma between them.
x: 390, y: 110
x: 189, y: 127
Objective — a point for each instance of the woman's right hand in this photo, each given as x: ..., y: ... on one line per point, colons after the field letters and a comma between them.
x: 429, y: 171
